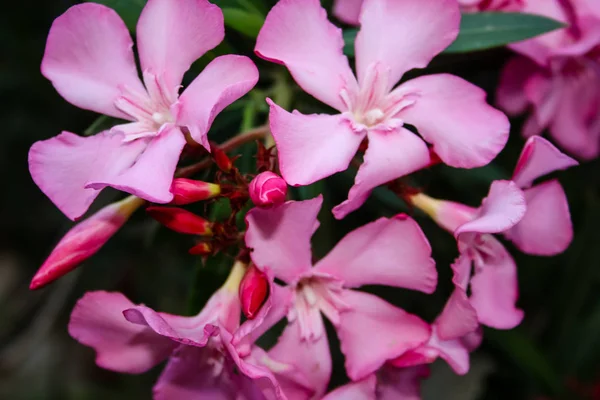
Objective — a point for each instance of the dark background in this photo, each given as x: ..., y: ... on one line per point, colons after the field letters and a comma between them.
x: 555, y: 353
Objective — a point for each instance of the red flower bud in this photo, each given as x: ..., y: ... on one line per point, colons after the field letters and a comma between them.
x: 221, y: 159
x: 254, y: 290
x: 201, y: 249
x: 186, y: 191
x: 181, y: 220
x: 267, y: 189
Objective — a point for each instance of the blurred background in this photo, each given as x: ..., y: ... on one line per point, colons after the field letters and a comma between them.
x: 554, y: 354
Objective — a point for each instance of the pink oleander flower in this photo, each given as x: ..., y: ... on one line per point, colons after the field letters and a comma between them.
x: 84, y: 240
x: 557, y: 75
x: 535, y: 218
x: 267, y: 189
x: 391, y: 252
x: 395, y: 36
x: 202, y: 361
x: 90, y: 62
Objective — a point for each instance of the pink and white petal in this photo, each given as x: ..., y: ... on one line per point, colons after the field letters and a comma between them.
x: 455, y: 353
x: 503, y: 208
x: 88, y: 58
x: 97, y: 321
x: 372, y: 331
x: 310, y: 358
x: 403, y: 34
x: 347, y: 11
x: 546, y: 228
x: 62, y: 166
x: 312, y: 147
x: 297, y: 34
x: 539, y: 157
x: 494, y: 290
x: 152, y: 174
x: 171, y: 35
x: 390, y: 155
x: 279, y: 237
x: 359, y: 390
x: 224, y: 80
x: 391, y: 252
x: 458, y: 318
x: 510, y: 95
x: 452, y: 115
x: 401, y: 383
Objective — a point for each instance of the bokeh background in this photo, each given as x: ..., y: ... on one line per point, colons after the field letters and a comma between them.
x: 554, y: 354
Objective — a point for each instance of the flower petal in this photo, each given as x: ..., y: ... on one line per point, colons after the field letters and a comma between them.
x: 171, y: 35
x: 359, y: 390
x: 62, y: 166
x: 458, y: 317
x: 280, y: 237
x: 312, y: 147
x: 97, y: 321
x: 152, y: 174
x: 391, y: 252
x: 546, y: 228
x: 401, y: 383
x: 89, y: 60
x: 510, y: 95
x: 297, y: 34
x: 403, y: 35
x: 452, y: 114
x: 373, y: 331
x: 347, y: 11
x: 390, y: 155
x: 539, y: 157
x: 224, y: 80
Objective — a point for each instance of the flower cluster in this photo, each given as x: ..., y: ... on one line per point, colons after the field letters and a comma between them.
x: 389, y: 129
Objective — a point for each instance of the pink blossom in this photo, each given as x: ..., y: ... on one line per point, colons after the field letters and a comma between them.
x: 267, y: 189
x: 391, y: 252
x: 84, y: 240
x: 395, y: 37
x: 90, y: 62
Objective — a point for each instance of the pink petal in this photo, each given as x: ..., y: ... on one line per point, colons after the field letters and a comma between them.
x: 280, y: 237
x: 347, y: 11
x: 88, y: 58
x: 297, y: 34
x: 390, y: 155
x: 503, y: 207
x: 452, y: 114
x: 97, y: 321
x: 403, y: 35
x: 401, y: 383
x: 546, y: 228
x: 458, y: 317
x: 171, y: 35
x: 312, y: 147
x: 510, y: 95
x: 63, y: 165
x: 223, y: 81
x: 539, y: 157
x: 363, y: 390
x: 152, y: 174
x: 392, y: 252
x: 373, y: 331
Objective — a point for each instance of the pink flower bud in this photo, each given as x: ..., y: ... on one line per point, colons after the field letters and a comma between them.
x: 186, y: 191
x: 181, y: 220
x: 254, y: 290
x: 267, y: 189
x: 84, y: 239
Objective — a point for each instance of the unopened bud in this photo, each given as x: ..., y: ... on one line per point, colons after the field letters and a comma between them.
x: 221, y: 159
x: 201, y: 249
x: 186, y: 191
x: 84, y: 240
x: 267, y: 189
x: 181, y: 220
x: 254, y: 291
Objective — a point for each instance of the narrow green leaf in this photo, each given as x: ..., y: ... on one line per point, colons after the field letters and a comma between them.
x: 242, y: 21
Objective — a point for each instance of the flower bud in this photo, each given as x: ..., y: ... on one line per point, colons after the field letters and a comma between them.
x: 181, y: 220
x: 201, y: 249
x: 84, y: 239
x: 254, y: 291
x: 267, y: 189
x: 221, y: 159
x: 186, y: 191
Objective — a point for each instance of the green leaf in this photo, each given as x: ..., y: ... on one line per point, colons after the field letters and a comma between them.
x: 245, y: 22
x: 129, y: 10
x: 480, y: 31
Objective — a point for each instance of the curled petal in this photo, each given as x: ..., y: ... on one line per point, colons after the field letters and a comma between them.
x: 347, y: 11
x: 458, y: 318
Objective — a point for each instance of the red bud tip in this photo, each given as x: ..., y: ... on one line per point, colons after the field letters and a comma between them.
x: 254, y: 291
x: 221, y: 159
x: 267, y: 189
x: 181, y: 220
x: 201, y: 249
x: 186, y: 191
x: 434, y: 159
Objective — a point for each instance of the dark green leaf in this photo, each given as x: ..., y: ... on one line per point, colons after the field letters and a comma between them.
x: 129, y: 10
x: 247, y: 23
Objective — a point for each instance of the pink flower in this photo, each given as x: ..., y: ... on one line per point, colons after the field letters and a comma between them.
x: 392, y: 252
x: 558, y: 76
x: 395, y: 37
x: 202, y: 362
x: 84, y: 240
x: 91, y: 64
x: 267, y: 189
